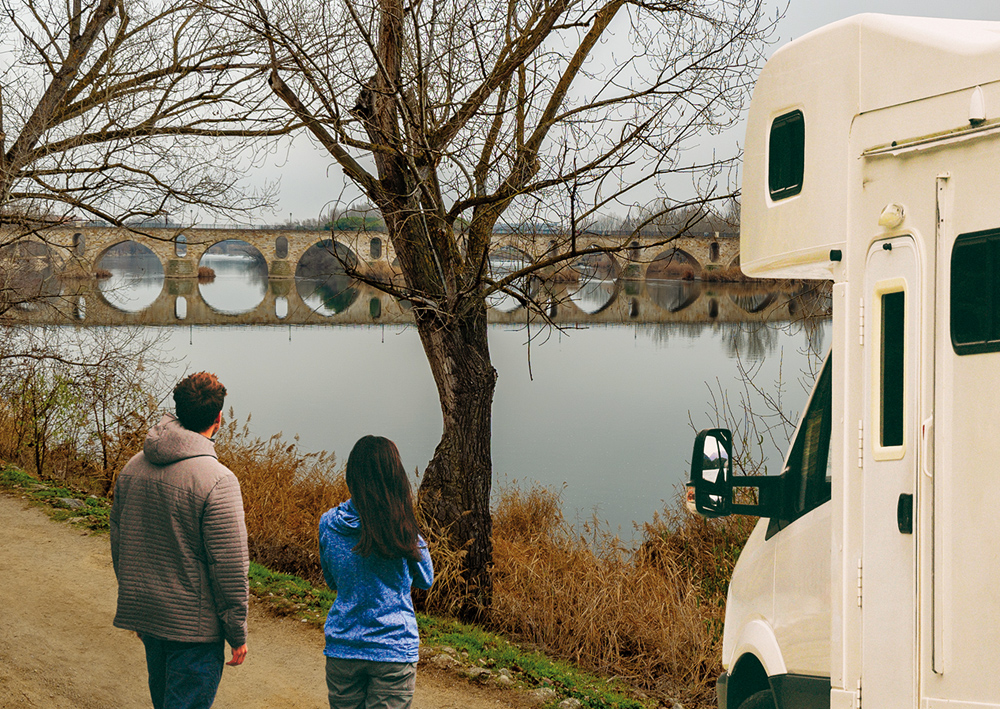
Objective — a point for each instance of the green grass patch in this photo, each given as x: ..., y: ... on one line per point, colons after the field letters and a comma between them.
x: 62, y: 503
x: 486, y: 649
x: 290, y: 595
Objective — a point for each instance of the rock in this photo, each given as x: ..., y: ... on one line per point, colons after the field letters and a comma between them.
x: 444, y: 662
x: 506, y: 673
x: 504, y: 680
x: 570, y: 703
x: 72, y: 503
x: 449, y: 651
x: 541, y: 696
x: 426, y: 653
x: 479, y: 674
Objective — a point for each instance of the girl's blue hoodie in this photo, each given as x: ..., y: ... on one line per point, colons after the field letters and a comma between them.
x: 372, y: 618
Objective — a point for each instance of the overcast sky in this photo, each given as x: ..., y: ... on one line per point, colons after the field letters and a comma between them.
x: 310, y: 182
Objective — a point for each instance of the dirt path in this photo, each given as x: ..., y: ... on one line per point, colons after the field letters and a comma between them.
x: 58, y: 649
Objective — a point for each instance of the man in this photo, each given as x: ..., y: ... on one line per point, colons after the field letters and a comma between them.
x: 179, y: 546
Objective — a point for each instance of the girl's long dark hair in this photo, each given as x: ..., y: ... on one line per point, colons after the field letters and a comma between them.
x: 382, y: 497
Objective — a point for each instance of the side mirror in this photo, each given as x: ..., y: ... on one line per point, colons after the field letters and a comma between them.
x: 710, y: 489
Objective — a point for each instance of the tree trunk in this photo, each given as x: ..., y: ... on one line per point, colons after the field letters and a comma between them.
x: 454, y: 495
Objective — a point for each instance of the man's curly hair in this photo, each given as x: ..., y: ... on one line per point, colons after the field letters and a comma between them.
x: 198, y: 401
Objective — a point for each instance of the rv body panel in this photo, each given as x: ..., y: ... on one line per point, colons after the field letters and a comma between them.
x: 896, y: 198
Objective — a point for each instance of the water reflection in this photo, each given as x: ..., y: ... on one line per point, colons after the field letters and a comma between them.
x: 321, y: 279
x: 27, y: 276
x: 328, y: 296
x: 592, y: 295
x: 136, y: 279
x: 673, y: 296
x: 240, y: 282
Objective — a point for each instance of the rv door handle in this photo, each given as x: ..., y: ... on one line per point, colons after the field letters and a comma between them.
x: 904, y: 514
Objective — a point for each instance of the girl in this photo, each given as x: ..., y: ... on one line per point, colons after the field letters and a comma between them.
x: 372, y: 554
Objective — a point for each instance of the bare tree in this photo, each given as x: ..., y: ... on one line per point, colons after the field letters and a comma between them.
x: 122, y: 110
x: 454, y: 116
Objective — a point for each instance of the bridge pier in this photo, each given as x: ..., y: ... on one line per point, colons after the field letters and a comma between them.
x: 79, y: 249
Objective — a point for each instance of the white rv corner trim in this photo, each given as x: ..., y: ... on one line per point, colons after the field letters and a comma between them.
x: 758, y: 639
x: 806, y: 263
x: 951, y: 704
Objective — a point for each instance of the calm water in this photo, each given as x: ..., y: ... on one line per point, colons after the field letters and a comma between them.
x: 603, y: 413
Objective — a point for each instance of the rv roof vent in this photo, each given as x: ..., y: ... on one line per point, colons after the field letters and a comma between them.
x: 977, y: 107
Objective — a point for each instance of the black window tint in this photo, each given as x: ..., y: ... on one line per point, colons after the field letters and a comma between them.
x: 786, y: 155
x: 975, y: 293
x: 893, y: 323
x: 806, y: 475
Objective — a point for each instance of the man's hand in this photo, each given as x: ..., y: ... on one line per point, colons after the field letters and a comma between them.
x: 239, y: 654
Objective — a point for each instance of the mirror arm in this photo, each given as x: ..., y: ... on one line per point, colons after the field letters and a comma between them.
x: 768, y: 497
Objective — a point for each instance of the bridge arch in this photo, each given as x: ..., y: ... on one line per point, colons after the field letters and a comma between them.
x: 673, y: 264
x: 137, y: 275
x: 238, y: 278
x: 321, y: 277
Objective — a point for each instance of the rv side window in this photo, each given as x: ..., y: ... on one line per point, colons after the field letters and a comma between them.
x: 807, y: 469
x: 975, y: 293
x: 786, y: 155
x: 891, y: 369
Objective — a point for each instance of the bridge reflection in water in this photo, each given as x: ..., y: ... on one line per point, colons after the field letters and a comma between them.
x: 241, y: 294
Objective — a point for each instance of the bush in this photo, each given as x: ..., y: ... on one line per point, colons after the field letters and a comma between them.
x: 650, y: 614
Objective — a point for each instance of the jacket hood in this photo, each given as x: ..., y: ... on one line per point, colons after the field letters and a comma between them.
x: 168, y: 442
x: 344, y: 519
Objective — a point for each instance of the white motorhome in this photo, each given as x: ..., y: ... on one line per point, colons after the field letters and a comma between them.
x: 873, y: 577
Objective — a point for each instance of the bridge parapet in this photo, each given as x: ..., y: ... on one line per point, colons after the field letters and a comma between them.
x: 79, y: 249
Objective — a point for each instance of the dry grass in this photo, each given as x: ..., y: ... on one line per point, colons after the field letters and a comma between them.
x: 729, y: 274
x: 285, y: 492
x: 206, y: 274
x: 650, y: 612
x: 651, y: 615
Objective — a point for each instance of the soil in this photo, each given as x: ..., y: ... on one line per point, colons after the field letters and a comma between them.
x: 58, y: 649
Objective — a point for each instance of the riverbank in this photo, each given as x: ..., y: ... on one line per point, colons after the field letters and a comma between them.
x: 62, y: 651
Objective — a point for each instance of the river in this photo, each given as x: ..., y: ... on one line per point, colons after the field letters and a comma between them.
x: 605, y: 412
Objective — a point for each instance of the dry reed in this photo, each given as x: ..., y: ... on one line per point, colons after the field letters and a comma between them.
x: 285, y: 492
x: 651, y: 615
x: 650, y: 612
x: 206, y: 274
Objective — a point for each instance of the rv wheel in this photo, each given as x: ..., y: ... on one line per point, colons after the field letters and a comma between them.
x: 760, y: 700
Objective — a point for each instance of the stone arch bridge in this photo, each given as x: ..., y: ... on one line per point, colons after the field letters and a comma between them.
x: 79, y: 249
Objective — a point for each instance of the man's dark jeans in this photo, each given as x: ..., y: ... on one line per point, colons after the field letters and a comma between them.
x: 183, y: 675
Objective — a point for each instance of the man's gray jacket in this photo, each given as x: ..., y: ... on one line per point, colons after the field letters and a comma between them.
x: 179, y: 541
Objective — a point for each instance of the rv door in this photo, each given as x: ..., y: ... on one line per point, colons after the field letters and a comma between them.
x: 888, y: 574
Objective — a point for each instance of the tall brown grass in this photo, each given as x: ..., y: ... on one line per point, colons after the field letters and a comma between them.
x: 649, y: 612
x: 285, y: 491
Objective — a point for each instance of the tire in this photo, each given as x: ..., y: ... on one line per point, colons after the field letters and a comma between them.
x: 759, y: 700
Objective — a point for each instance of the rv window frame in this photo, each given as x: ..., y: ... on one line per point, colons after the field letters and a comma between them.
x: 780, y: 124
x: 882, y: 288
x: 990, y: 239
